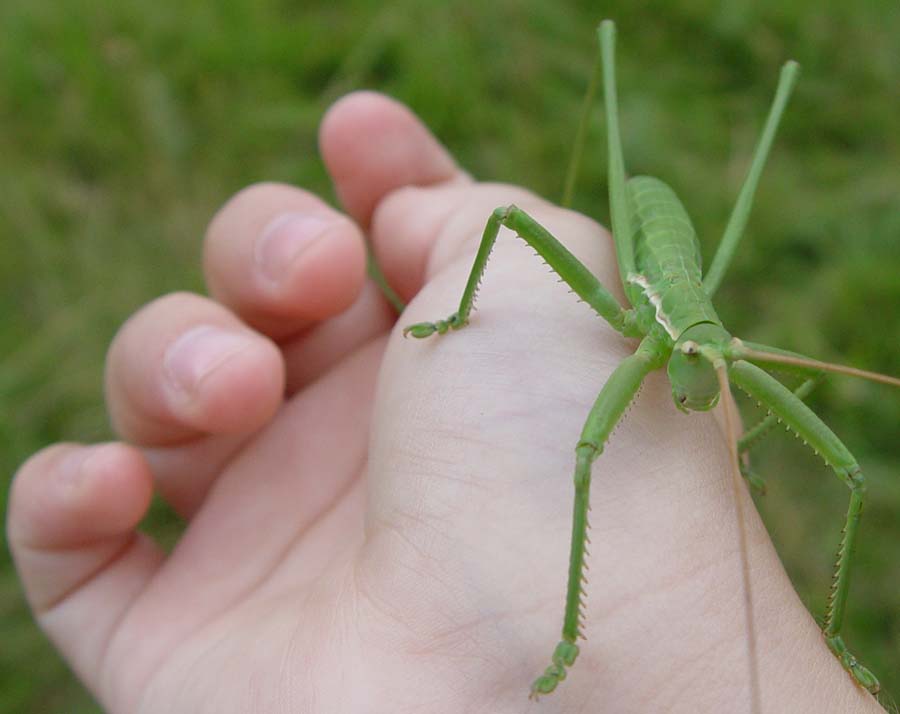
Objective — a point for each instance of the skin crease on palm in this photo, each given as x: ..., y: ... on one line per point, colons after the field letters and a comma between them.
x: 393, y: 535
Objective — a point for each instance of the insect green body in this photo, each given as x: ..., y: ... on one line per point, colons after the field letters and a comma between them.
x: 671, y: 311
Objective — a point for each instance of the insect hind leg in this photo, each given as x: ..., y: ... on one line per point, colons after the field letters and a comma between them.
x: 557, y: 256
x: 741, y: 211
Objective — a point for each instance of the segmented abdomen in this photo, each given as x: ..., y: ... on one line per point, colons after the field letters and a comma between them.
x: 667, y: 256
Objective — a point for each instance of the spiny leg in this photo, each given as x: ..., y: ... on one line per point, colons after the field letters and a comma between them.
x: 741, y: 212
x: 806, y: 424
x: 611, y: 403
x: 557, y: 256
x: 765, y: 425
x: 755, y: 433
x: 811, y: 379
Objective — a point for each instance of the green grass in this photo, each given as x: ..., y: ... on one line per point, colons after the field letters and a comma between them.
x: 123, y: 129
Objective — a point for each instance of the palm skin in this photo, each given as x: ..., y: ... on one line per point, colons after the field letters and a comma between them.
x: 393, y: 536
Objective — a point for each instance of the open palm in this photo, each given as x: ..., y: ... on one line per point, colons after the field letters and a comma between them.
x: 392, y: 535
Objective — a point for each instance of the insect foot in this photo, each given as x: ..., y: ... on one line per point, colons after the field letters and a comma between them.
x: 563, y: 656
x: 426, y: 329
x: 754, y: 479
x: 864, y: 678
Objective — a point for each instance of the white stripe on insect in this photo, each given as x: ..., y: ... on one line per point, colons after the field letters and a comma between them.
x: 655, y: 300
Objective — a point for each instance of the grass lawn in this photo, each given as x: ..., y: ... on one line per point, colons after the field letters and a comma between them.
x: 123, y: 126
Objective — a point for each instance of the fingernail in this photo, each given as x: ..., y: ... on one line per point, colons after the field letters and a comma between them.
x: 79, y: 464
x: 197, y: 353
x: 283, y: 240
x: 72, y: 468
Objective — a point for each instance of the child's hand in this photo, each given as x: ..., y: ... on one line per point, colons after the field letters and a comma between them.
x: 379, y: 524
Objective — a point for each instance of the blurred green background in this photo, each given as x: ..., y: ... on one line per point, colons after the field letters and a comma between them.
x: 123, y: 128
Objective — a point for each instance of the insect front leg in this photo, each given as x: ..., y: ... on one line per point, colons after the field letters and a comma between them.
x: 611, y: 403
x: 557, y: 256
x: 755, y: 433
x: 811, y: 379
x: 806, y: 424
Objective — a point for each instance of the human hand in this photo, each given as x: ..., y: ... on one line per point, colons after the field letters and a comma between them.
x: 392, y: 536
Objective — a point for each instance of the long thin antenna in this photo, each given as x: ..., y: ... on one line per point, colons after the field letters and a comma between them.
x: 730, y: 426
x: 738, y: 350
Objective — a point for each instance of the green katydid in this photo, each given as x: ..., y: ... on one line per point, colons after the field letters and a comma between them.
x: 671, y: 312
